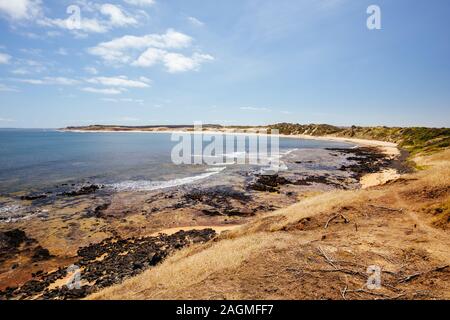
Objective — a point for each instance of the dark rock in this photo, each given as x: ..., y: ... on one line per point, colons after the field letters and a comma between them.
x: 32, y: 197
x: 13, y: 238
x: 268, y: 183
x: 98, y: 211
x: 41, y: 254
x: 89, y: 189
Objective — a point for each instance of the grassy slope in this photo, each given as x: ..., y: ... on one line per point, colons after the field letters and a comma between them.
x: 401, y: 227
x: 414, y: 140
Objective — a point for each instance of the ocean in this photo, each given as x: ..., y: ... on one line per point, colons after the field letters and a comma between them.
x: 38, y: 159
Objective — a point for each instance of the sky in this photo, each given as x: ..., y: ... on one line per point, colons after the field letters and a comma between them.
x: 149, y: 62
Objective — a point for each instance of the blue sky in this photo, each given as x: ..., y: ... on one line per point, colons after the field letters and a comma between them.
x: 136, y: 62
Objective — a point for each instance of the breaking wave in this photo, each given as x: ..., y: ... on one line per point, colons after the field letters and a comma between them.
x: 146, y: 185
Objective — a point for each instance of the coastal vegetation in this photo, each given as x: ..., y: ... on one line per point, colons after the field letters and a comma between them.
x: 413, y: 139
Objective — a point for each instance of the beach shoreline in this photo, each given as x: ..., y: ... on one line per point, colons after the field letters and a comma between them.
x: 87, y: 217
x: 389, y: 149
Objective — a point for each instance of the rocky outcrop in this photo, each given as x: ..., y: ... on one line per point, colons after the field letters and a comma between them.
x: 84, y: 190
x: 106, y: 263
x: 268, y: 183
x: 10, y: 243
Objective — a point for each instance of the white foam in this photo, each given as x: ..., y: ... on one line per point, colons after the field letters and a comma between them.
x: 146, y: 185
x: 15, y: 212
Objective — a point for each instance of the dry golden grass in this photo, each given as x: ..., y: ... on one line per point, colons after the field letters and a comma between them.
x: 280, y: 255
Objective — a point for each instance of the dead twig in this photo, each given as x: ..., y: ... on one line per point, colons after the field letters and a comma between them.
x: 386, y: 208
x: 329, y: 261
x: 418, y: 274
x: 343, y: 292
x: 336, y: 216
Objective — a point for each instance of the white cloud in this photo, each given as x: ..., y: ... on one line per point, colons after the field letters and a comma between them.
x: 91, y: 70
x: 126, y: 100
x: 50, y: 81
x: 194, y: 21
x: 7, y: 88
x: 121, y: 81
x: 174, y: 62
x: 4, y: 58
x: 109, y: 91
x: 255, y: 109
x: 6, y: 120
x: 21, y: 9
x: 28, y: 66
x: 62, y: 52
x: 141, y: 2
x: 118, y: 50
x: 86, y: 25
x: 116, y: 16
x: 149, y: 58
x: 20, y: 71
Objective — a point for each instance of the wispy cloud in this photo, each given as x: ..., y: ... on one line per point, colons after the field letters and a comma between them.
x: 120, y: 81
x: 123, y: 100
x: 102, y: 18
x: 50, y: 81
x: 151, y: 49
x: 108, y: 91
x: 21, y: 9
x: 255, y: 109
x: 7, y: 88
x: 141, y: 3
x: 117, y: 16
x: 62, y: 52
x: 91, y: 70
x: 6, y: 120
x: 194, y: 21
x: 4, y: 58
x: 174, y: 62
x: 123, y: 49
